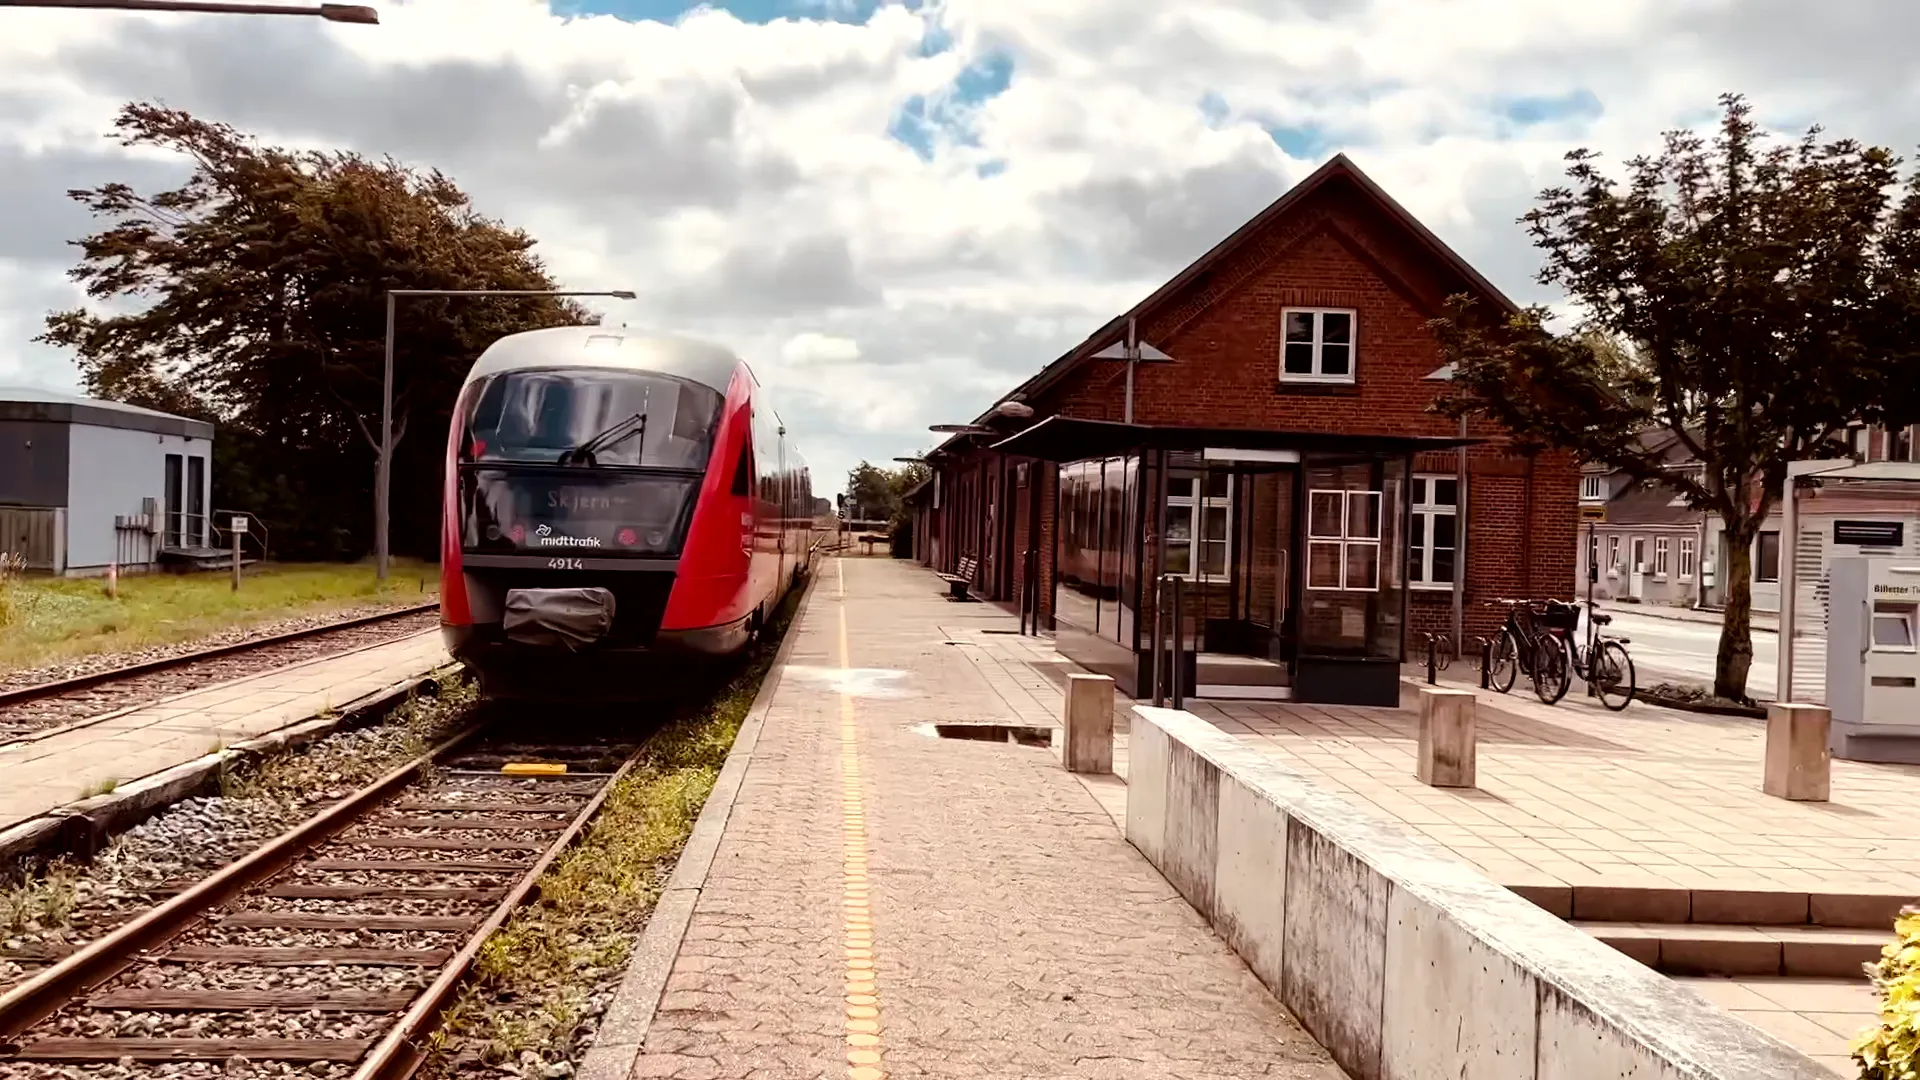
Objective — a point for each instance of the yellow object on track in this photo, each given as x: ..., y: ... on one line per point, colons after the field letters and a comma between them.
x: 532, y: 768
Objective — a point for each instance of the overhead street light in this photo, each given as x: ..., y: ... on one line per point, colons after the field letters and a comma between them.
x: 383, y: 472
x: 340, y: 13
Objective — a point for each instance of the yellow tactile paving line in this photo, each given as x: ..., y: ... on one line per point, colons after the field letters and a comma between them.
x: 863, y: 994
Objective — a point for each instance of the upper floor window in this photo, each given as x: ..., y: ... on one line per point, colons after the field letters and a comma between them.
x: 1593, y: 487
x: 1317, y: 345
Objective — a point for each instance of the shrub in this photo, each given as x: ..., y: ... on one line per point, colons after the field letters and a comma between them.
x: 1892, y: 1052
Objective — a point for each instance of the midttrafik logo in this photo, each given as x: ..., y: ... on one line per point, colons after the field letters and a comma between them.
x: 547, y: 539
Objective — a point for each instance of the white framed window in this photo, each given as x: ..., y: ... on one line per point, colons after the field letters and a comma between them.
x: 1343, y: 540
x: 1593, y: 487
x: 1433, y: 544
x: 1687, y: 567
x: 1593, y: 552
x: 1660, y: 557
x: 1199, y: 525
x: 1613, y: 555
x: 1317, y: 344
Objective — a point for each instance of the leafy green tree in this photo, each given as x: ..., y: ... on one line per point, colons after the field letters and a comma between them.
x: 877, y: 494
x: 262, y: 287
x: 869, y: 493
x: 1751, y: 298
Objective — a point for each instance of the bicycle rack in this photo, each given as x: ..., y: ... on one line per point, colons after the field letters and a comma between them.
x: 1486, y: 662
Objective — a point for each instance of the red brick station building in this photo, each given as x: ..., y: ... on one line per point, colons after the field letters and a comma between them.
x: 1283, y: 464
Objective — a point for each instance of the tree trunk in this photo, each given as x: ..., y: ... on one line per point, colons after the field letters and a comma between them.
x: 1735, y: 659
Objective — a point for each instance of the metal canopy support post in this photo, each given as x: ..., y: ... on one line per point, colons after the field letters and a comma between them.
x: 1462, y: 514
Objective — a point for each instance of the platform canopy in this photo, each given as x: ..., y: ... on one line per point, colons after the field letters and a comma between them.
x: 1066, y: 438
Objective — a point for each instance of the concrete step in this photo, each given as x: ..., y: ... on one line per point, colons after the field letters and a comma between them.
x: 1721, y: 949
x: 1737, y: 907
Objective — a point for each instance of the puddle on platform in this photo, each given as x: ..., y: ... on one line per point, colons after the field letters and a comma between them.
x: 994, y: 733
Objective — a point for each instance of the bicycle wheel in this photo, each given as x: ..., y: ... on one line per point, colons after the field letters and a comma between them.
x: 1550, y: 674
x: 1504, y: 663
x: 1613, y: 675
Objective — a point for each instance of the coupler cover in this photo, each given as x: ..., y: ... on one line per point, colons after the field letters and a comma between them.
x: 569, y: 617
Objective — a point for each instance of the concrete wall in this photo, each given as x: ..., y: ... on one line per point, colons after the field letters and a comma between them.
x: 1403, y: 962
x: 110, y: 471
x: 33, y: 463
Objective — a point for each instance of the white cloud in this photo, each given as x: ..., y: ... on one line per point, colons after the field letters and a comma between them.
x: 808, y: 348
x: 741, y: 177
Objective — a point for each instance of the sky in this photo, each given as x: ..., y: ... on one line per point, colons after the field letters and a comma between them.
x: 898, y: 211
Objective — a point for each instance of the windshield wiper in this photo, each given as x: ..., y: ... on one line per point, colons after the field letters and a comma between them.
x: 617, y: 433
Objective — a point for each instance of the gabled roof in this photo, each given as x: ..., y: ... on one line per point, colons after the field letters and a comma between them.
x: 1340, y: 167
x: 1649, y: 503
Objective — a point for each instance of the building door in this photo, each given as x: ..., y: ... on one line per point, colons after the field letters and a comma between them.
x: 176, y: 507
x: 1638, y: 568
x: 197, y: 532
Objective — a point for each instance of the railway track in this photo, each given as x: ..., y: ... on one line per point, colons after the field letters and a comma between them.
x: 26, y: 712
x: 332, y: 950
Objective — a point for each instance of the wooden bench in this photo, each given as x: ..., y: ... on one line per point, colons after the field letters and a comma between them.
x: 959, y: 583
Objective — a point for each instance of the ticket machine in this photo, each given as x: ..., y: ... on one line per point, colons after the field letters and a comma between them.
x: 1873, y: 658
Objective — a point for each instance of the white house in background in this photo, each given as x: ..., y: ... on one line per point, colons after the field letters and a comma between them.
x: 87, y: 483
x: 1653, y: 549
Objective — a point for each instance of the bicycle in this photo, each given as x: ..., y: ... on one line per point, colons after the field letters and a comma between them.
x: 1526, y: 644
x: 1605, y: 665
x: 1517, y: 650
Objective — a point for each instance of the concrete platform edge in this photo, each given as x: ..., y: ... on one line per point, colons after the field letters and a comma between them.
x: 1398, y: 958
x: 623, y: 1031
x: 92, y: 721
x: 95, y: 819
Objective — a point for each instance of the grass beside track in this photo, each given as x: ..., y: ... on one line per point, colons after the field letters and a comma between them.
x: 539, y: 984
x: 48, y: 620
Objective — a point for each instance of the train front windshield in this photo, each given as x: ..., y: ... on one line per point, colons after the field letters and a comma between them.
x: 526, y: 488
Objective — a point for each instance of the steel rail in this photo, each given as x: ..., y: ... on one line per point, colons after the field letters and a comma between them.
x: 401, y: 1050
x: 147, y: 667
x: 101, y: 959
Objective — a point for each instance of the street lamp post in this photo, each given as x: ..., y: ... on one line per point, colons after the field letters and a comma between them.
x: 383, y: 472
x: 340, y: 13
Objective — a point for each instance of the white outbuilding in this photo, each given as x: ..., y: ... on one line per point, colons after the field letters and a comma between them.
x: 87, y: 483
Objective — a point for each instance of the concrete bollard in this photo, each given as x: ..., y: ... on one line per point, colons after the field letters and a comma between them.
x: 1799, y: 764
x: 1448, y: 740
x: 1088, y: 720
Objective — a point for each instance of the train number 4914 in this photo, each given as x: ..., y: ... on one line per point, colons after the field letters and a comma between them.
x: 566, y: 564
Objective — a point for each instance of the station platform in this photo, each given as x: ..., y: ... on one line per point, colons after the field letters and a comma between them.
x: 885, y: 901
x: 64, y: 765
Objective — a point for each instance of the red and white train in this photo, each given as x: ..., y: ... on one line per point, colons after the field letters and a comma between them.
x: 608, y: 495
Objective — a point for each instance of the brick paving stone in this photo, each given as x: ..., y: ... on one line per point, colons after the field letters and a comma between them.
x: 70, y: 764
x: 1575, y: 795
x: 1014, y: 932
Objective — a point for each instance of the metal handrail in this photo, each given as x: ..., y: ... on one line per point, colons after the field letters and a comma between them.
x: 256, y: 529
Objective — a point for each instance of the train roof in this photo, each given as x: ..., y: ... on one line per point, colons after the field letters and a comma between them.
x: 609, y: 347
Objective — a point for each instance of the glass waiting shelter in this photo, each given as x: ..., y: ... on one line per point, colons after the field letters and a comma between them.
x: 1291, y: 549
